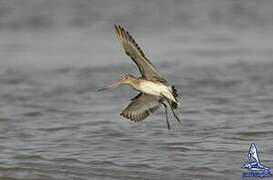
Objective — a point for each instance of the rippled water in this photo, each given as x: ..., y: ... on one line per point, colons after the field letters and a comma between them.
x: 55, y: 125
x: 54, y: 55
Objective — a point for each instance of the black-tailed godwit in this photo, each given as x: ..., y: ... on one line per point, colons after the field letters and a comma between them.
x: 154, y: 90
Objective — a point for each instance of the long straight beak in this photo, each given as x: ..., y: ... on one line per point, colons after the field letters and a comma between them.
x: 114, y: 85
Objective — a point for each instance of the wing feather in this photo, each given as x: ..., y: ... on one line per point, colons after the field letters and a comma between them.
x: 141, y: 107
x: 133, y: 50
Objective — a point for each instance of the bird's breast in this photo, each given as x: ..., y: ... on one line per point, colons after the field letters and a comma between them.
x: 156, y: 89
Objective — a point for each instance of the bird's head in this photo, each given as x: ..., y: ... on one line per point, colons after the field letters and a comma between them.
x: 127, y: 79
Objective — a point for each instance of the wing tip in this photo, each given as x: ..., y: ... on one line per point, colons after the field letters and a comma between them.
x: 118, y: 26
x: 131, y: 117
x: 120, y: 32
x: 125, y: 36
x: 126, y: 116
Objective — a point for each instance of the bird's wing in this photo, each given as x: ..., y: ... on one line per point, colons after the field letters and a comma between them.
x: 141, y: 107
x: 132, y: 49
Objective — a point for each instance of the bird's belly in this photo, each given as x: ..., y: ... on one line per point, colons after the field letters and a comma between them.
x: 151, y: 88
x: 156, y: 89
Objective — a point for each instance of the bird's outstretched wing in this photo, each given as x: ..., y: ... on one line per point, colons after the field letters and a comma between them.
x: 132, y: 49
x: 140, y: 107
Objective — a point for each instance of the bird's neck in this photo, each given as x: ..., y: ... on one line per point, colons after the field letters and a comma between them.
x: 135, y: 83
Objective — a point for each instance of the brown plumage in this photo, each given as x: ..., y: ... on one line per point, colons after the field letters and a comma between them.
x: 154, y: 89
x: 141, y: 107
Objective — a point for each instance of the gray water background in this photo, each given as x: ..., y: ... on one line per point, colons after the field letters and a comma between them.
x: 54, y: 55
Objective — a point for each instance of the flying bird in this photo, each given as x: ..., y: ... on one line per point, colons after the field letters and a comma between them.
x: 153, y: 89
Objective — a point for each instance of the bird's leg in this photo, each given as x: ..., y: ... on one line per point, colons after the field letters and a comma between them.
x: 166, y: 113
x: 176, y: 117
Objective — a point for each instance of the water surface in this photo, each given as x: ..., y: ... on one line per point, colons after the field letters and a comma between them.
x: 55, y: 125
